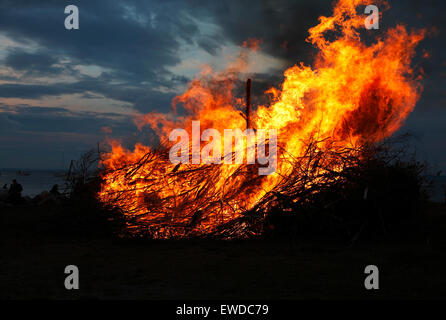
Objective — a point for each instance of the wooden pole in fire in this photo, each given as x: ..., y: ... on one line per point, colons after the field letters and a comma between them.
x: 248, y: 104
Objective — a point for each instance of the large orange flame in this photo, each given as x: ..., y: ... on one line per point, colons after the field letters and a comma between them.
x: 353, y: 93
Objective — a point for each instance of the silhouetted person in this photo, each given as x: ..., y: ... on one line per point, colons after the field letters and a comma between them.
x: 15, y: 192
x: 5, y: 187
x: 55, y: 190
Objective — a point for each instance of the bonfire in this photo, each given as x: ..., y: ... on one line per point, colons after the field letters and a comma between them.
x: 354, y: 94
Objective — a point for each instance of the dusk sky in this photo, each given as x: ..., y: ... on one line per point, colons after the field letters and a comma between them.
x: 61, y: 90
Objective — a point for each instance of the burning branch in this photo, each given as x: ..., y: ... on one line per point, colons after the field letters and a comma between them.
x: 326, y: 116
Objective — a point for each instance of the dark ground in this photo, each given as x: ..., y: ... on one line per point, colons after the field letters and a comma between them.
x: 38, y: 242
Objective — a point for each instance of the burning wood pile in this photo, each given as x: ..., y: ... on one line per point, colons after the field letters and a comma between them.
x: 325, y: 116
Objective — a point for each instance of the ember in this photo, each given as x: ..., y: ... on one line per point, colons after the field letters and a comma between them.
x: 353, y: 94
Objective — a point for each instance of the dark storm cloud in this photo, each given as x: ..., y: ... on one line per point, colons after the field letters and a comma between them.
x: 136, y: 40
x: 109, y: 34
x: 282, y: 25
x: 34, y: 91
x: 39, y: 62
x: 26, y: 118
x: 142, y: 97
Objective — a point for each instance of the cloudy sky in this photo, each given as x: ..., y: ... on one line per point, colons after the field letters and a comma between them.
x: 61, y: 90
